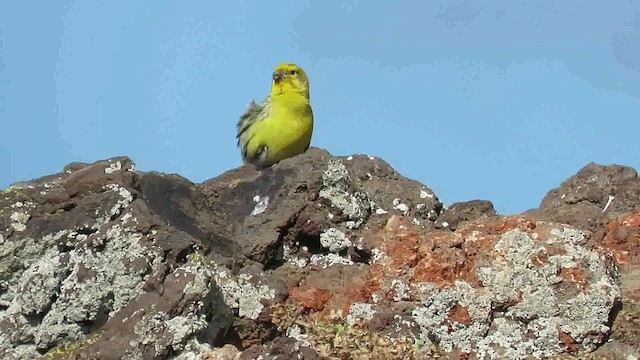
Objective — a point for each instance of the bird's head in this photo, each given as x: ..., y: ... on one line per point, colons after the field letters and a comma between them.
x: 289, y: 78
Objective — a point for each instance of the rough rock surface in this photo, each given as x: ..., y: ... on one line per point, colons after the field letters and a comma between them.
x: 96, y: 258
x: 595, y: 195
x: 316, y: 257
x: 464, y: 212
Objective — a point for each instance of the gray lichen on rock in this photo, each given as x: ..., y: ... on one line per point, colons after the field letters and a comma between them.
x: 244, y: 293
x: 19, y: 256
x: 67, y: 288
x: 87, y: 294
x: 39, y: 284
x: 338, y: 190
x: 334, y: 240
x: 532, y: 315
x: 432, y: 316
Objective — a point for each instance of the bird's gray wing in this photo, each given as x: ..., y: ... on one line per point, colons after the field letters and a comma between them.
x: 255, y: 113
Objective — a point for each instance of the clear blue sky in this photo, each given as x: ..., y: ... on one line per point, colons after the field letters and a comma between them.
x: 499, y: 100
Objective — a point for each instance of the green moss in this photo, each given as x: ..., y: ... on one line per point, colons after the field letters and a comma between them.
x: 69, y: 350
x: 196, y: 258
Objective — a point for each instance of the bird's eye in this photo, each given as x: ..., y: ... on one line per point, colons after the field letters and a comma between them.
x: 292, y: 72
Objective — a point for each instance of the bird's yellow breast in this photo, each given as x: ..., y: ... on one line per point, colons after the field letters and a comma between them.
x: 287, y: 131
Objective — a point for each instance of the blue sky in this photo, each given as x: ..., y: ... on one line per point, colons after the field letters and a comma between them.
x: 498, y: 100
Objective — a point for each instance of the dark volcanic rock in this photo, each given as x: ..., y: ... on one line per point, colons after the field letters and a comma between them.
x: 314, y: 257
x: 595, y: 195
x: 301, y: 197
x: 464, y: 212
x: 282, y: 348
x: 97, y: 256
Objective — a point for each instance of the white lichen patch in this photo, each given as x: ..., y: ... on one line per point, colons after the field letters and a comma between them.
x: 183, y: 327
x: 164, y: 333
x: 424, y: 194
x: 19, y: 220
x: 334, y: 240
x: 377, y: 255
x: 381, y: 211
x: 375, y: 298
x: 21, y: 215
x: 126, y: 217
x: 243, y: 293
x: 336, y: 189
x: 400, y: 323
x: 295, y: 332
x: 360, y: 311
x: 261, y: 205
x: 331, y: 259
x: 571, y: 235
x: 299, y: 262
x: 472, y: 236
x: 113, y: 167
x: 401, y: 290
x: 125, y: 199
x: 507, y: 341
x: 400, y: 206
x: 296, y: 261
x: 202, y: 279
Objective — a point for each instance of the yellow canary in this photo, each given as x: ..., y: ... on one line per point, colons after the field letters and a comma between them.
x: 281, y: 125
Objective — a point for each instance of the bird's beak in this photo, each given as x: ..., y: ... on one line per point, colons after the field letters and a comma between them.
x: 278, y: 76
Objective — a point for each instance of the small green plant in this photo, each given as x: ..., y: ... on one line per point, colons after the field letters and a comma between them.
x: 340, y: 331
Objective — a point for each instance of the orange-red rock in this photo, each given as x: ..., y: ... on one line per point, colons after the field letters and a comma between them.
x: 311, y: 298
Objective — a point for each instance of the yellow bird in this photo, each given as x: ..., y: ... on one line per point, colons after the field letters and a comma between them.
x: 281, y: 125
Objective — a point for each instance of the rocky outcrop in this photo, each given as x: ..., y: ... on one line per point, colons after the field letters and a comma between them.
x: 102, y: 258
x: 595, y: 195
x: 316, y: 257
x: 464, y: 212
